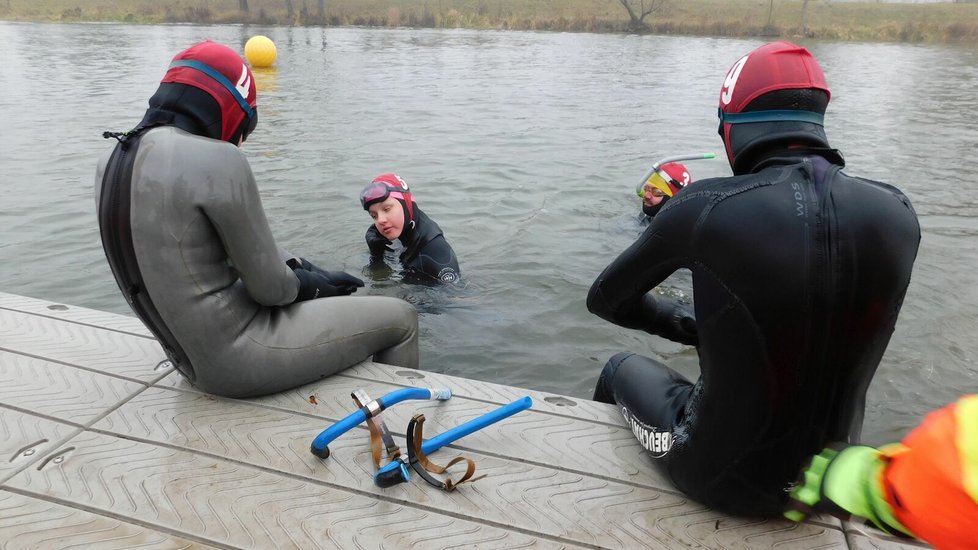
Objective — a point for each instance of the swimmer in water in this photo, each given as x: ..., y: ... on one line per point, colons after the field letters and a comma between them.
x: 665, y: 183
x: 427, y: 257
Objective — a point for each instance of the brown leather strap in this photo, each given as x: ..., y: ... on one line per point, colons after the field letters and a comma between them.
x: 422, y: 464
x: 380, y: 436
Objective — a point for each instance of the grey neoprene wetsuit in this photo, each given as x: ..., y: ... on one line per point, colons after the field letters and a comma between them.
x: 219, y: 283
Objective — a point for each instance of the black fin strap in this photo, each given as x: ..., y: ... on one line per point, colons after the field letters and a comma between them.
x: 422, y: 464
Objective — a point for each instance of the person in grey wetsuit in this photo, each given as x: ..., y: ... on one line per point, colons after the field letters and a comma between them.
x: 186, y: 237
x: 799, y: 271
x: 427, y: 257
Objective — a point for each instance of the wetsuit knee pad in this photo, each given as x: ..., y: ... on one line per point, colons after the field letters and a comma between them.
x: 602, y: 390
x: 653, y: 394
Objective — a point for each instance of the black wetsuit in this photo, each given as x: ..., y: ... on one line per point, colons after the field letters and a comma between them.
x: 427, y: 256
x: 799, y: 272
x: 649, y: 212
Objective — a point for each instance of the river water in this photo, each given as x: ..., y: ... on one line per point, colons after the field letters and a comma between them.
x: 525, y: 148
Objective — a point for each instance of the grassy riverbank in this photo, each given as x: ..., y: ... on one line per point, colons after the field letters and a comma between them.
x: 859, y: 21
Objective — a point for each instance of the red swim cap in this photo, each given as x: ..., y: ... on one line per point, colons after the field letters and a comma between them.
x: 220, y: 71
x: 774, y: 66
x: 388, y: 185
x: 678, y: 176
x: 771, y: 68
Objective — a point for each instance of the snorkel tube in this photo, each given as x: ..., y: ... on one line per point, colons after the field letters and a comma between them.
x: 658, y: 164
x: 320, y: 445
x: 397, y: 470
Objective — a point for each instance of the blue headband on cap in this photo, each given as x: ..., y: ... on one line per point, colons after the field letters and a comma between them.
x: 771, y: 116
x: 213, y: 73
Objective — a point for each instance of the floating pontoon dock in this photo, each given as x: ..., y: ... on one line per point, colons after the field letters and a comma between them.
x: 105, y: 446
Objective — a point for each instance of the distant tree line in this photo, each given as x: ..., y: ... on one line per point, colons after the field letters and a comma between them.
x: 952, y: 21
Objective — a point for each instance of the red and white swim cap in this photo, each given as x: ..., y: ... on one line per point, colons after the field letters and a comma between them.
x: 222, y: 73
x: 388, y: 185
x: 775, y: 67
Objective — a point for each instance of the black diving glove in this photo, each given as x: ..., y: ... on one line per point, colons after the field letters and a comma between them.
x: 347, y: 283
x: 315, y: 282
x: 670, y: 319
x: 314, y: 285
x: 377, y: 243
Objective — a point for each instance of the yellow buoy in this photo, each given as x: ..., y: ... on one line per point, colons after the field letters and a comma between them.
x: 260, y: 51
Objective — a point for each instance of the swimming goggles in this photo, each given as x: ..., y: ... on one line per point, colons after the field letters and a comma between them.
x: 659, y: 187
x: 379, y: 191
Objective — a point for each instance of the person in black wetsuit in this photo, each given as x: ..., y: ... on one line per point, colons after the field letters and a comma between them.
x: 427, y: 257
x: 798, y: 270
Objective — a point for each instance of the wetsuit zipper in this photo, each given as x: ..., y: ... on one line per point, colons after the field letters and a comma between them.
x: 115, y: 227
